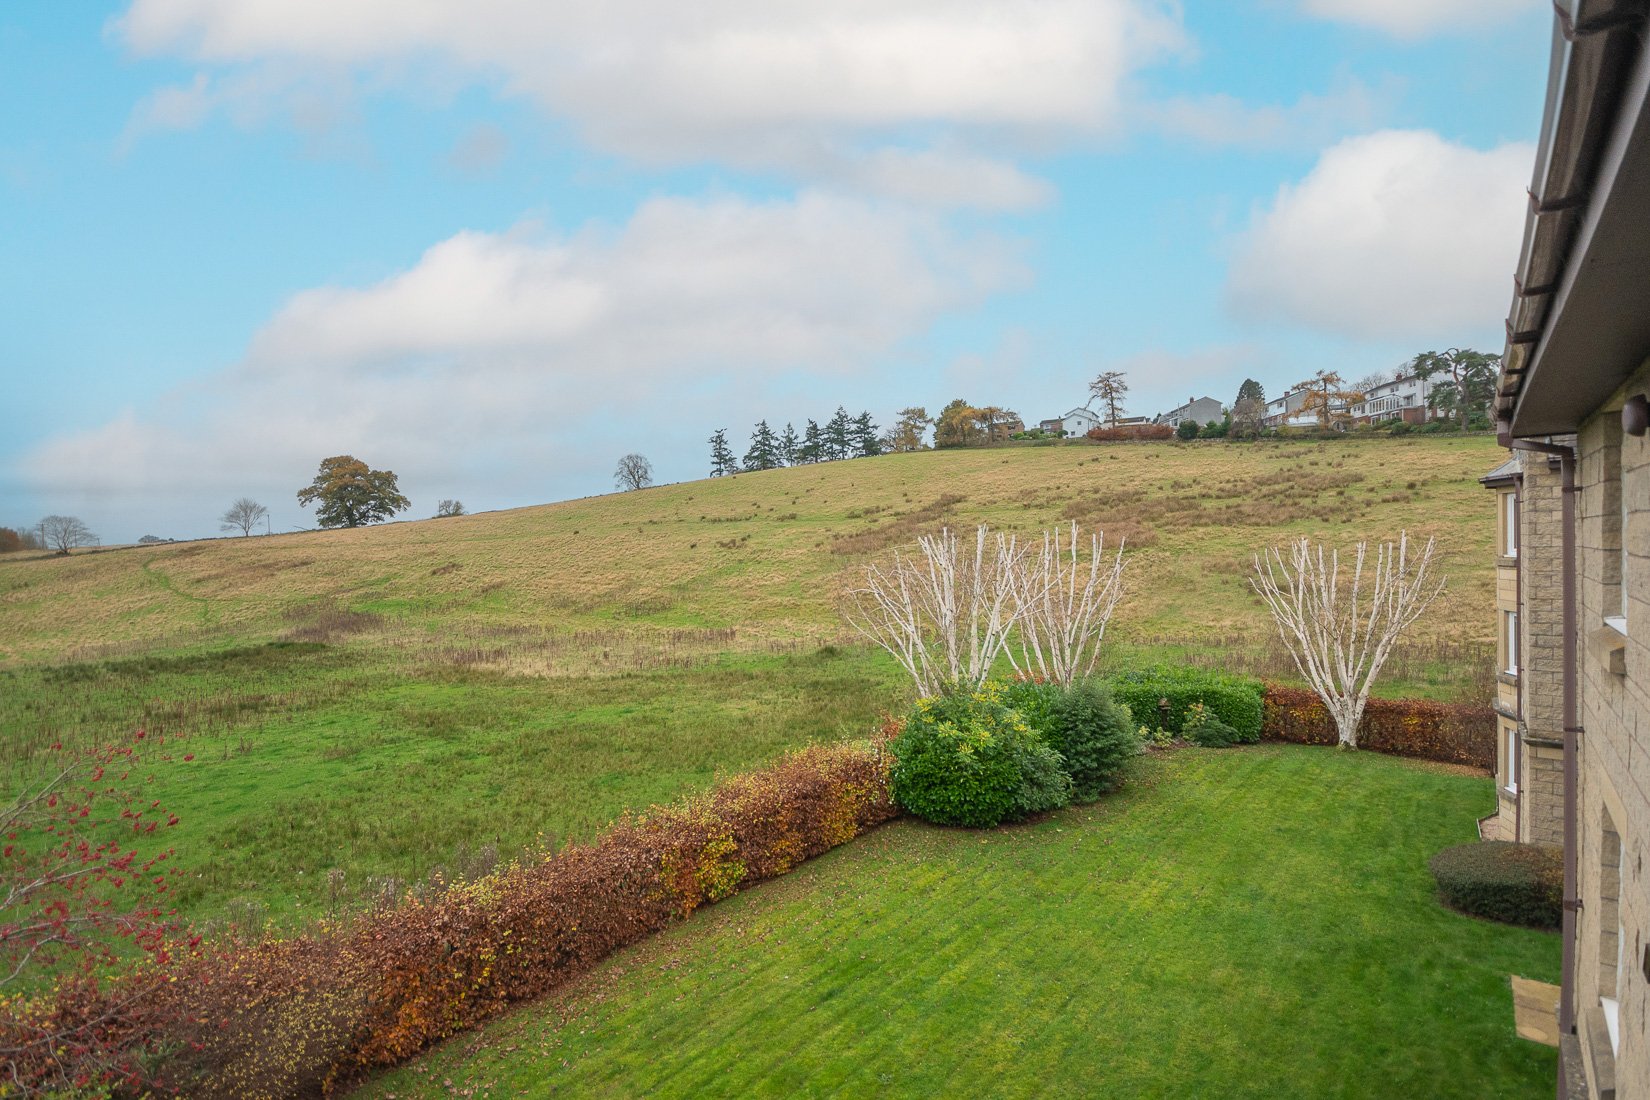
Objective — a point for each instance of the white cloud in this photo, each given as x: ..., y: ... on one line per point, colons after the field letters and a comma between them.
x: 537, y: 354
x: 774, y: 85
x: 1310, y: 122
x: 1393, y: 235
x: 1417, y: 18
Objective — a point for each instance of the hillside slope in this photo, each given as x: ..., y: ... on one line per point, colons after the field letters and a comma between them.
x: 765, y: 553
x: 367, y: 708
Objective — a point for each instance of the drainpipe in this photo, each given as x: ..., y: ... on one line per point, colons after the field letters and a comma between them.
x: 1572, y: 717
x: 1523, y: 651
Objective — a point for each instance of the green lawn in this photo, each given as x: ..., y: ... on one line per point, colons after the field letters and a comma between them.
x: 1254, y: 922
x: 374, y: 704
x: 322, y: 776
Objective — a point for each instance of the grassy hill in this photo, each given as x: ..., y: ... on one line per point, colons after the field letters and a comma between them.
x: 370, y: 705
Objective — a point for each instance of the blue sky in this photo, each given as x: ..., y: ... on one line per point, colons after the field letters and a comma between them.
x: 494, y: 246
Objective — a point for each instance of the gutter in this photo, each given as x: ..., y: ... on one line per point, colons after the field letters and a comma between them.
x: 1572, y: 718
x: 1595, y: 44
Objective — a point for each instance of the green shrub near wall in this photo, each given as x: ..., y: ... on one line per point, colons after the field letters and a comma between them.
x: 1235, y: 700
x: 1504, y: 881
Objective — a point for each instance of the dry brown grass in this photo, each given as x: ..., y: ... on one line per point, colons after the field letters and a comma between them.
x: 764, y: 552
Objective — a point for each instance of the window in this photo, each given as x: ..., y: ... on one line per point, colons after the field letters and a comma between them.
x: 1510, y: 641
x: 1512, y: 759
x: 1509, y: 524
x: 1621, y: 473
x: 1612, y: 479
x: 1612, y: 956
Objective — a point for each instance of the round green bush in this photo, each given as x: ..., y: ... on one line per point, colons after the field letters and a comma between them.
x: 1095, y: 734
x: 1503, y: 881
x: 1204, y: 727
x: 972, y: 760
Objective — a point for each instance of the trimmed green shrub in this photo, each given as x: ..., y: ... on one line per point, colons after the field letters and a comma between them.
x: 1234, y: 700
x: 1035, y: 700
x: 1503, y: 881
x: 1096, y: 736
x: 972, y: 760
x: 1202, y: 727
x: 1187, y: 429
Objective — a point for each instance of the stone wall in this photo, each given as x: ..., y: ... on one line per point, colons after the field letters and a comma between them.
x: 1614, y: 751
x: 1541, y: 650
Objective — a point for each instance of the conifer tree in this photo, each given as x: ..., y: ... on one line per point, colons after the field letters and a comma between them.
x: 839, y: 435
x: 866, y: 437
x: 764, y: 449
x: 813, y: 445
x: 908, y: 434
x: 789, y: 445
x: 722, y: 462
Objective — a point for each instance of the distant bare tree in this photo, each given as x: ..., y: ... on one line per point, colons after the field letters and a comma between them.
x: 63, y: 533
x: 1340, y: 625
x: 1372, y: 379
x: 634, y: 472
x: 1064, y: 606
x: 449, y: 508
x: 243, y: 516
x: 1109, y: 389
x: 1248, y: 418
x: 945, y: 614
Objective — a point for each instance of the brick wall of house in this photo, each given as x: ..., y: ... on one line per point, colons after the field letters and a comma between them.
x: 1614, y: 750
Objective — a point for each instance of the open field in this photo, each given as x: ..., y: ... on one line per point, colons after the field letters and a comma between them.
x: 366, y: 707
x: 1252, y: 922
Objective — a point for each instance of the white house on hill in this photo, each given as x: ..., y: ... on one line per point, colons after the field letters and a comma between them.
x: 1400, y: 399
x: 1077, y: 422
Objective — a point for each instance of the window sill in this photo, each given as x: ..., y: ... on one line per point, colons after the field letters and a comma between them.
x: 1608, y: 646
x: 1600, y: 1058
x: 1510, y: 790
x: 1618, y: 623
x: 1506, y: 677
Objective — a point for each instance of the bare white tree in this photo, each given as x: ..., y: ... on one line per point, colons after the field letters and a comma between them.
x: 1340, y: 625
x: 1064, y: 606
x: 946, y: 613
x: 242, y: 516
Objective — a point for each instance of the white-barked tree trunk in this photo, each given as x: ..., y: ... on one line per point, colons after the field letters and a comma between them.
x: 1064, y: 606
x: 944, y: 614
x: 1340, y: 625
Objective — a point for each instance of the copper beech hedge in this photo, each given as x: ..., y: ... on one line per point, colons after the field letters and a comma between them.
x: 309, y: 1015
x: 1453, y: 733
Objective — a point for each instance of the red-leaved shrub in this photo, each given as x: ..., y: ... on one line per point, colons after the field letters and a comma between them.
x: 1453, y: 733
x: 305, y: 1016
x: 1132, y: 433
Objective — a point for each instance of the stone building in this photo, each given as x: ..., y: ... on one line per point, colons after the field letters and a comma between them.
x: 1199, y: 410
x: 1529, y: 768
x: 1575, y: 388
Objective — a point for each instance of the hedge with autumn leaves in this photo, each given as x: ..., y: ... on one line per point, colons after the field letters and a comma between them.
x: 307, y: 1016
x: 1453, y: 733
